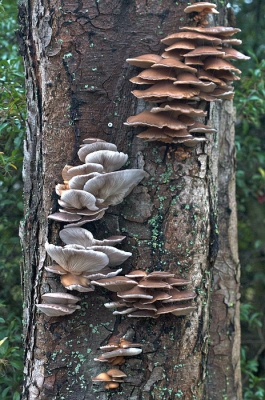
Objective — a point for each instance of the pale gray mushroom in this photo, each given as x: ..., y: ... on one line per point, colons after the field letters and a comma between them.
x: 74, y: 198
x: 57, y: 310
x: 77, y: 260
x: 131, y: 351
x: 78, y: 181
x: 103, y: 274
x: 86, y: 219
x: 110, y: 160
x: 116, y: 283
x: 60, y: 298
x: 64, y: 217
x: 116, y: 256
x: 92, y: 147
x: 76, y: 282
x: 85, y: 238
x: 69, y: 172
x: 111, y: 188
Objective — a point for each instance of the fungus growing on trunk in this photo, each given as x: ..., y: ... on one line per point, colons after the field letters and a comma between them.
x: 197, y: 56
x: 58, y: 304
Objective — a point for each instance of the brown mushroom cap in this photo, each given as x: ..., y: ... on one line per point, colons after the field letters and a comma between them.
x: 143, y: 314
x: 154, y: 120
x: 136, y: 274
x: 180, y: 108
x: 76, y: 282
x: 157, y: 74
x: 153, y: 284
x: 177, y: 295
x: 205, y: 51
x: 134, y: 293
x: 103, y: 377
x: 166, y: 90
x: 234, y: 54
x: 115, y: 284
x: 184, y: 44
x: 213, y: 30
x: 173, y: 63
x: 219, y: 64
x: 175, y: 37
x: 116, y: 373
x: 144, y: 61
x: 111, y: 385
x: 176, y: 309
x: 201, y: 6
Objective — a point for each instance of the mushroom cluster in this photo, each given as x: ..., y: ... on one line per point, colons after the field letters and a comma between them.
x: 194, y: 68
x: 84, y: 259
x: 116, y: 351
x: 58, y: 303
x: 112, y: 378
x: 89, y: 189
x: 142, y: 295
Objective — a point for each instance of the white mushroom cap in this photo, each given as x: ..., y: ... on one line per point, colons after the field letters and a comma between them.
x: 69, y: 172
x: 60, y: 298
x: 132, y: 351
x: 96, y: 146
x: 110, y: 160
x: 103, y: 274
x: 74, y: 198
x: 56, y: 310
x: 116, y: 256
x: 75, y: 260
x: 78, y: 181
x: 114, y: 186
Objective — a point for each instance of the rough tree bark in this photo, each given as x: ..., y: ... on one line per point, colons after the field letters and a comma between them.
x: 78, y: 86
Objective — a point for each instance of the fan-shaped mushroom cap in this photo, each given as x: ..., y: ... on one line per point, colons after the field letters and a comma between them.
x: 64, y: 217
x: 184, y: 44
x: 79, y: 236
x: 87, y: 219
x: 111, y: 160
x: 75, y: 260
x: 153, y: 284
x: 177, y: 295
x: 143, y: 314
x: 192, y: 142
x: 125, y: 344
x: 176, y: 53
x: 115, y: 284
x: 134, y: 293
x: 115, y: 304
x: 178, y: 309
x: 144, y: 61
x: 114, y: 186
x: 157, y: 74
x: 144, y: 306
x: 110, y: 346
x: 232, y: 42
x: 103, y: 377
x: 205, y: 51
x: 103, y: 274
x: 180, y: 108
x: 77, y: 182
x: 193, y: 60
x: 224, y: 31
x: 227, y: 75
x: 166, y: 90
x: 74, y: 198
x: 57, y: 310
x: 175, y: 37
x: 173, y: 63
x: 158, y: 296
x: 69, y: 172
x: 219, y: 64
x: 90, y: 148
x: 209, y: 76
x: 116, y: 256
x: 155, y: 120
x: 116, y: 373
x: 159, y: 275
x: 202, y: 6
x: 223, y: 94
x: 60, y: 298
x: 76, y: 282
x: 132, y: 351
x: 55, y: 269
x: 187, y: 78
x: 234, y: 54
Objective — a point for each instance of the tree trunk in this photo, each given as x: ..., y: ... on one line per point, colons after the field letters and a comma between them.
x: 78, y: 86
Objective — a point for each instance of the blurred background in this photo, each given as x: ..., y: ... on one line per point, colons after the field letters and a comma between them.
x: 249, y: 15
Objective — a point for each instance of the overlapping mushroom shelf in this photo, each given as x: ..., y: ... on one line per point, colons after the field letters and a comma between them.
x: 89, y: 189
x: 84, y: 259
x: 142, y: 295
x: 195, y: 67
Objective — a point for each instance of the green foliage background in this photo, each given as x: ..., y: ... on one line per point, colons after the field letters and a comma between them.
x: 250, y: 143
x: 12, y: 126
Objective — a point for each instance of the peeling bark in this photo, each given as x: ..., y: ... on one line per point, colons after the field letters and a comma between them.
x: 78, y: 86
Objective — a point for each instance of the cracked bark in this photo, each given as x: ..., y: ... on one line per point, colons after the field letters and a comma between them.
x: 78, y: 86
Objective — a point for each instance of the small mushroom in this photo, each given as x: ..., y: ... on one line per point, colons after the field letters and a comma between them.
x: 57, y: 310
x: 115, y: 284
x: 144, y: 61
x: 92, y: 147
x: 110, y: 160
